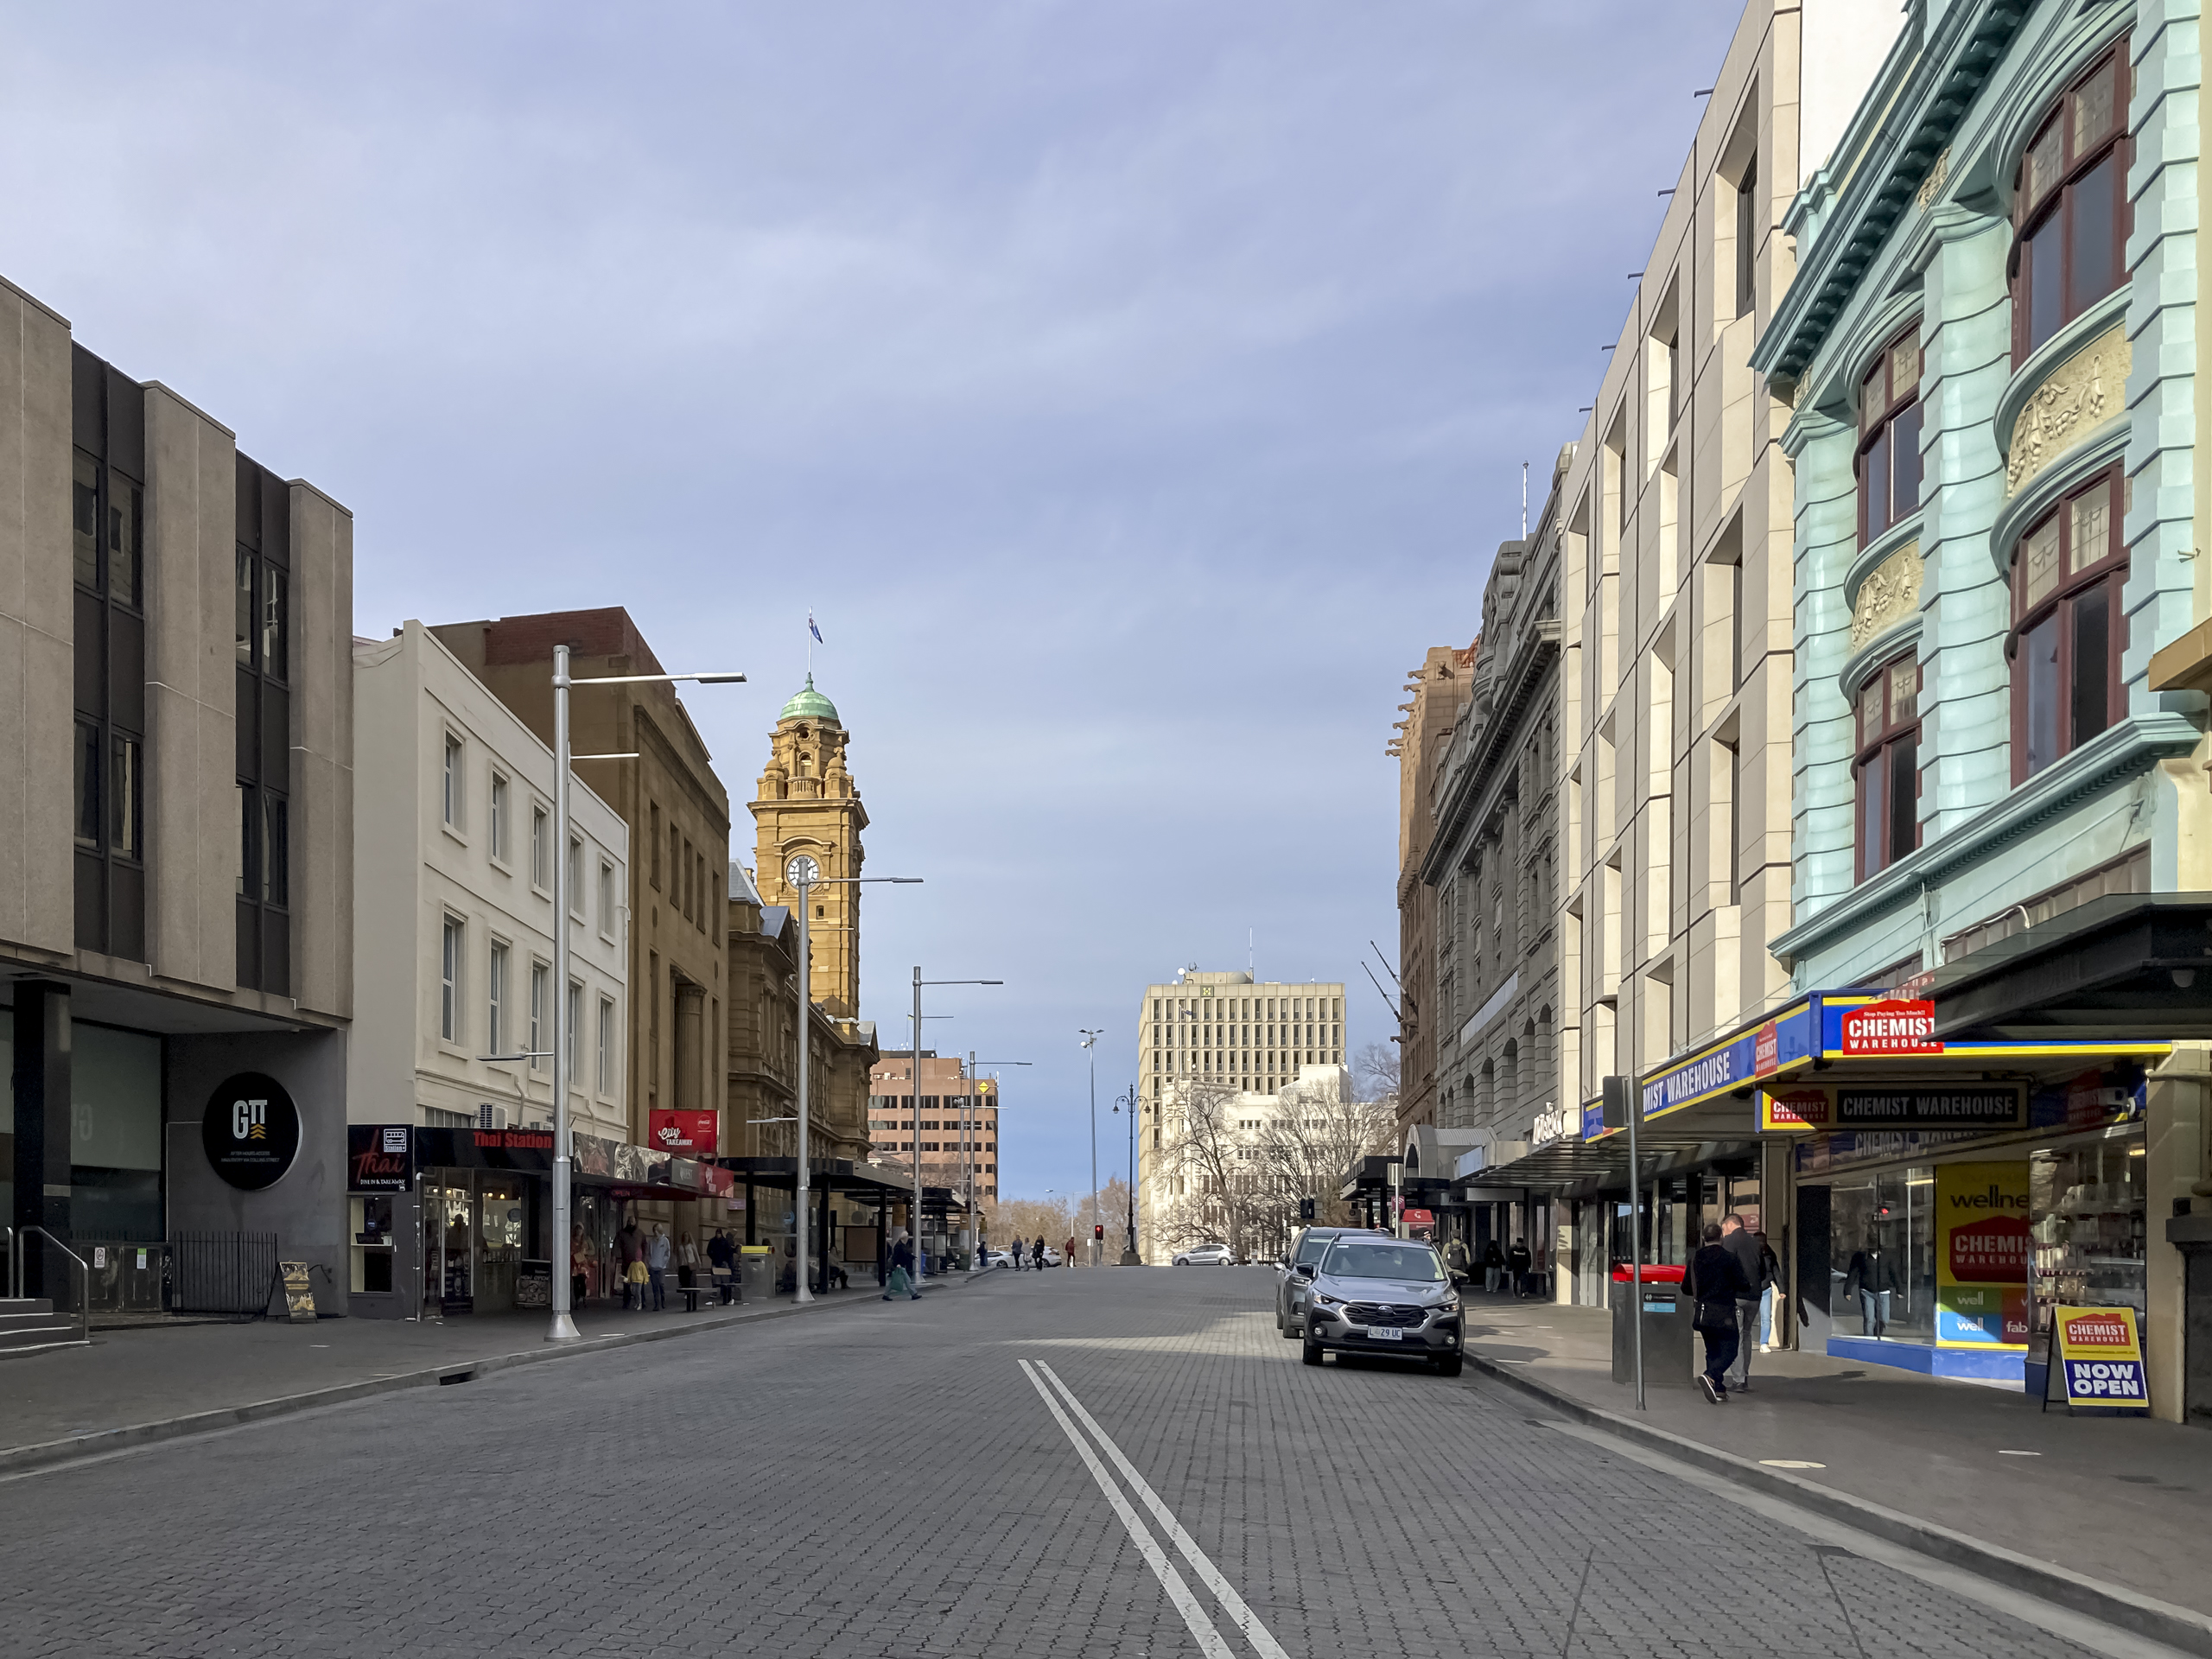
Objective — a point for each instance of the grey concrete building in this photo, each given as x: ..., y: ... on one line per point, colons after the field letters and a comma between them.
x: 175, y: 827
x: 1493, y: 861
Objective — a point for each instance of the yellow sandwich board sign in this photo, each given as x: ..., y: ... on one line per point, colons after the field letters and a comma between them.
x: 2101, y: 1356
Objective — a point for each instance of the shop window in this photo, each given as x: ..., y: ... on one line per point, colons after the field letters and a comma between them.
x: 1886, y: 769
x: 2069, y: 627
x: 1881, y: 1249
x: 2069, y: 205
x: 1889, y: 438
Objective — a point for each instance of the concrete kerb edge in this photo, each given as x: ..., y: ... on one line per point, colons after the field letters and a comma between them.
x: 2114, y: 1604
x: 46, y: 1453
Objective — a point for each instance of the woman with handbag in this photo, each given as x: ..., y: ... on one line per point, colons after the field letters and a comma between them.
x: 1714, y: 1283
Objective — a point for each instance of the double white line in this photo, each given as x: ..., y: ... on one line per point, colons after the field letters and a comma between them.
x: 1210, y: 1640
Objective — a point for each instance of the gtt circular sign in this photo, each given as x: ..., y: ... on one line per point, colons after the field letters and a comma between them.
x: 251, y: 1131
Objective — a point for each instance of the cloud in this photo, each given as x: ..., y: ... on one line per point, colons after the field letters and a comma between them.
x: 1133, y: 391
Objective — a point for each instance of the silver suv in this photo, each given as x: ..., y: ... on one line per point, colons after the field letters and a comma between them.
x: 1370, y: 1295
x: 1290, y: 1288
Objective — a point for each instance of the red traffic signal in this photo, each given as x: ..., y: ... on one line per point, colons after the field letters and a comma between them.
x: 1098, y: 1229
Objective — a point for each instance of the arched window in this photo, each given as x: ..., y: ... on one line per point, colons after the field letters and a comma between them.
x: 1509, y: 1078
x: 2068, y: 626
x: 2069, y: 205
x: 1887, y: 766
x: 1889, y: 437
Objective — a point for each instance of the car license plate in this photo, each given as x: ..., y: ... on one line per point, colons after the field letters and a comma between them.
x: 1384, y: 1333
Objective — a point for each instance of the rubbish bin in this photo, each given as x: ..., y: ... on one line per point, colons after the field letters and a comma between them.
x: 1669, y: 1333
x: 756, y: 1273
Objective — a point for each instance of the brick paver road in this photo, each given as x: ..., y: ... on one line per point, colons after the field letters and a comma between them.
x: 889, y: 1480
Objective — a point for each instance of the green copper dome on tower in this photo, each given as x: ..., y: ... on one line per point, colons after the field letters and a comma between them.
x: 810, y: 704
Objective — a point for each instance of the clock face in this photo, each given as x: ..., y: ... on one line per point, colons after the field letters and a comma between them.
x: 802, y: 871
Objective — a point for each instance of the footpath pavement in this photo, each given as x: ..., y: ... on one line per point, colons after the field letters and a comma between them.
x: 139, y: 1384
x: 2123, y: 1500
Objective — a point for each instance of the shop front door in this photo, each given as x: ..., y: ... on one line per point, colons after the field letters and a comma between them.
x: 448, y: 1240
x: 502, y: 1212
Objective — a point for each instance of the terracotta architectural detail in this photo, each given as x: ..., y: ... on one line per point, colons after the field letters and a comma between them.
x: 2084, y: 392
x: 1888, y: 595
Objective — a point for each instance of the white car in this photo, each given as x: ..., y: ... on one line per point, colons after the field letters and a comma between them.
x: 1207, y: 1256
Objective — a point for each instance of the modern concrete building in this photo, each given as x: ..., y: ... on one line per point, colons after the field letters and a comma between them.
x: 454, y: 962
x: 1492, y: 860
x: 1231, y: 1033
x: 678, y: 813
x: 1436, y: 691
x: 959, y: 1140
x: 1988, y: 366
x: 1229, y: 1165
x: 175, y: 839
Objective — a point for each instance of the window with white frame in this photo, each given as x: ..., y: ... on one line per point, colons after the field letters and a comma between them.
x: 575, y: 1033
x: 540, y: 978
x: 450, y: 962
x: 454, y: 761
x: 606, y: 899
x: 606, y: 1045
x: 498, y: 816
x: 541, y: 848
x: 577, y: 877
x: 496, y: 1002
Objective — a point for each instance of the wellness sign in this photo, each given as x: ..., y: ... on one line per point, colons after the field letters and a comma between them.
x: 1981, y: 1255
x: 2102, y: 1356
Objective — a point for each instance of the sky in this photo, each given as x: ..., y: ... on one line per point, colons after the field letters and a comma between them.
x: 1132, y: 391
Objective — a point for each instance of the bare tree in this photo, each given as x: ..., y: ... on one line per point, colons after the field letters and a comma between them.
x: 1312, y: 1142
x: 1375, y: 1066
x: 1208, y: 1169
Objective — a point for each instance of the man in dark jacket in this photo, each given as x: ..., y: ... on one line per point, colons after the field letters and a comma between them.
x: 1873, y: 1275
x: 1517, y: 1263
x: 721, y: 1256
x: 1738, y: 1240
x: 1493, y: 1265
x: 1715, y: 1283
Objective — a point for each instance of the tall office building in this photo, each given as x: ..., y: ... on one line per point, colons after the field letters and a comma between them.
x: 1228, y: 1029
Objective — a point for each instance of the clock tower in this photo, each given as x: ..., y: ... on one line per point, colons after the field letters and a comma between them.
x: 807, y: 806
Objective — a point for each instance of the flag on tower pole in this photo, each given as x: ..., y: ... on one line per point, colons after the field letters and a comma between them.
x: 811, y: 629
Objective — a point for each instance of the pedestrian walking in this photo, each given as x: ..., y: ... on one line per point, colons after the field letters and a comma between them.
x: 1769, y: 1292
x: 1518, y: 1261
x: 902, y: 1274
x: 721, y: 1259
x: 1039, y: 1257
x: 1067, y: 1256
x: 1715, y: 1283
x: 659, y: 1253
x: 629, y: 1250
x: 1493, y: 1266
x: 1736, y: 1238
x: 1456, y: 1263
x: 1872, y: 1277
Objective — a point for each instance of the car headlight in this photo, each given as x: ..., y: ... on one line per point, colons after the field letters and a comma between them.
x: 1322, y: 1298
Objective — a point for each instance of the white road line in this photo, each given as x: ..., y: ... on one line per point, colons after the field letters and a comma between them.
x: 1239, y: 1614
x: 1194, y: 1615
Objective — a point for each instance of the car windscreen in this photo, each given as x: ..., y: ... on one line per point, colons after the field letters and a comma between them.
x: 1310, y: 1249
x: 1416, y: 1263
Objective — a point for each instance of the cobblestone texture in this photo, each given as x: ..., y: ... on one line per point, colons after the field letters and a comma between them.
x: 882, y: 1483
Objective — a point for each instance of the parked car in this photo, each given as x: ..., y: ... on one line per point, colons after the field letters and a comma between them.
x: 1378, y: 1295
x: 1290, y: 1289
x: 1051, y: 1257
x: 1207, y: 1256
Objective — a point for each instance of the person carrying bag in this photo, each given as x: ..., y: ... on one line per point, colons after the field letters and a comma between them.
x: 1715, y: 1282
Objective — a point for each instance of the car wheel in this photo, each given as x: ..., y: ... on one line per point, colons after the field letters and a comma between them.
x: 1312, y: 1352
x: 1450, y: 1365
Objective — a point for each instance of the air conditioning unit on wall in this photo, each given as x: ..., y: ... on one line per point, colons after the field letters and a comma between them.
x: 489, y: 1117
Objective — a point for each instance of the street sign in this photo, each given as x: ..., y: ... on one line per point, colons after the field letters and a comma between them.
x: 2101, y: 1353
x: 1891, y: 1027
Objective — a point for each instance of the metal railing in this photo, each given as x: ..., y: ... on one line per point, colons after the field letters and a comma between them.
x: 221, y: 1273
x: 83, y: 1294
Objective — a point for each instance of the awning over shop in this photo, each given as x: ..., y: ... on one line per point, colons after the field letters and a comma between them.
x: 2110, y: 971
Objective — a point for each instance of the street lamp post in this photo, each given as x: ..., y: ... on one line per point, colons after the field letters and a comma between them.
x: 564, y: 1326
x: 1129, y: 1256
x: 805, y: 874
x: 1091, y: 1046
x: 915, y: 1074
x: 971, y: 1143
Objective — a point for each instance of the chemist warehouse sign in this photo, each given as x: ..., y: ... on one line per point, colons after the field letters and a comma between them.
x: 2102, y: 1357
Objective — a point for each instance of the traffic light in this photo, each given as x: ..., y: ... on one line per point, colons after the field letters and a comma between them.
x: 1306, y: 1209
x: 1098, y: 1229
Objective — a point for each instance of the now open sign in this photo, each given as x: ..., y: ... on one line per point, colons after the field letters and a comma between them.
x: 2100, y: 1356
